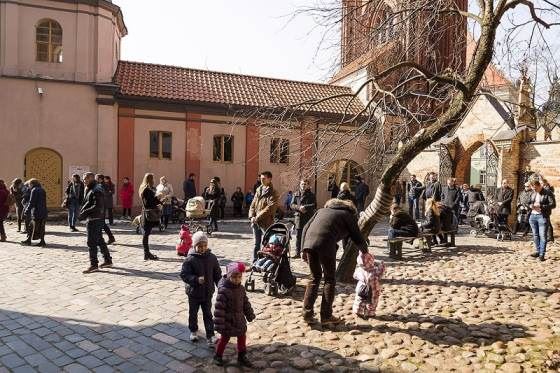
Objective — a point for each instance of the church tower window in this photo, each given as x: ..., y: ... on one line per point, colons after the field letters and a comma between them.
x: 48, y: 39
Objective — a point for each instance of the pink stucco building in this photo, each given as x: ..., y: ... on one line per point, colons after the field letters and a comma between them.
x: 69, y: 104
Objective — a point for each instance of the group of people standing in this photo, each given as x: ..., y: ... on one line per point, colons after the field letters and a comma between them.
x: 444, y: 203
x: 30, y: 201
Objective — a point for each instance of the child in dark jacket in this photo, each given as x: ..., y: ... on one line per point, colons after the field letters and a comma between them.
x: 231, y: 313
x: 201, y: 272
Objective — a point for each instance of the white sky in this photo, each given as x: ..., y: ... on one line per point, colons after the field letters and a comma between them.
x: 254, y: 37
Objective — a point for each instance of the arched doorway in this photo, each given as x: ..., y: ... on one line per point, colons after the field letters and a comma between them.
x: 45, y: 165
x: 484, y: 168
x: 345, y: 171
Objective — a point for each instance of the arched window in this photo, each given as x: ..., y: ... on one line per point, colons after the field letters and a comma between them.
x: 381, y: 25
x: 48, y: 39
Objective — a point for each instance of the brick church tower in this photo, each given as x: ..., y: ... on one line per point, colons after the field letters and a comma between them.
x: 377, y: 34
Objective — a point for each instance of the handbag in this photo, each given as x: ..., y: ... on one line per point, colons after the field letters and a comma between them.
x: 152, y: 215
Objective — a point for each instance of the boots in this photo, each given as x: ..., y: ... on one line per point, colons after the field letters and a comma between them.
x: 243, y: 360
x: 218, y: 360
x: 149, y: 256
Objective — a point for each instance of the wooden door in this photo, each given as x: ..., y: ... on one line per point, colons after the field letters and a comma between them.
x: 45, y: 165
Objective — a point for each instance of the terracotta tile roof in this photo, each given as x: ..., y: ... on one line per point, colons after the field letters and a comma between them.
x: 179, y: 84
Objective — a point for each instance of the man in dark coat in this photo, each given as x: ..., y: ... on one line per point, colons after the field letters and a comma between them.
x: 74, y: 197
x: 504, y: 197
x: 37, y: 211
x: 189, y: 187
x: 93, y: 210
x: 362, y: 192
x: 201, y: 273
x: 433, y: 188
x: 414, y: 190
x: 101, y: 182
x: 451, y: 196
x: 321, y: 234
x: 304, y: 205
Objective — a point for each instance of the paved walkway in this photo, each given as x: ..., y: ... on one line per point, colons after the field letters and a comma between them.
x: 482, y: 307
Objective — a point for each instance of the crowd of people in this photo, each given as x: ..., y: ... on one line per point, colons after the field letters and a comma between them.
x: 447, y: 206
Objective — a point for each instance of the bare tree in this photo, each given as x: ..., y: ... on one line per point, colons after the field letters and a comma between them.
x: 418, y: 85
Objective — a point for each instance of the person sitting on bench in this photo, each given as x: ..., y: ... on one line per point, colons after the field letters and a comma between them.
x: 432, y: 224
x: 402, y: 224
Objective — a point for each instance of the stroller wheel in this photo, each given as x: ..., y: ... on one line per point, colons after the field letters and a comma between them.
x: 247, y: 285
x: 209, y: 229
x: 161, y: 227
x: 473, y: 232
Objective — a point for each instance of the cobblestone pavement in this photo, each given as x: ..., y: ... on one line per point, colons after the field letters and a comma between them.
x: 482, y: 307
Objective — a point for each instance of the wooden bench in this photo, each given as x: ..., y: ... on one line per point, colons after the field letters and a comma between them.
x: 395, y: 244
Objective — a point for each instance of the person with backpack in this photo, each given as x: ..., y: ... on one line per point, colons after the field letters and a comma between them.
x: 37, y: 212
x: 4, y: 208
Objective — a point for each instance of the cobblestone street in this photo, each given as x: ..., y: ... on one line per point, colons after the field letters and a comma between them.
x: 482, y: 307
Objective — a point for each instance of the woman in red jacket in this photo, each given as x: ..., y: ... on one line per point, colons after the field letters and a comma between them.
x: 4, y: 209
x: 126, y: 194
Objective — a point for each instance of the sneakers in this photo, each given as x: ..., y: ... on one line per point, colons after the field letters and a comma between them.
x: 330, y: 320
x: 41, y: 244
x: 91, y: 269
x: 111, y: 241
x: 106, y: 264
x: 541, y: 258
x: 308, y: 318
x: 25, y: 243
x: 73, y: 229
x: 535, y: 255
x: 218, y: 361
x: 212, y: 341
x: 193, y: 337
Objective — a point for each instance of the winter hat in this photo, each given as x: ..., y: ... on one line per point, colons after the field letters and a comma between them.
x: 235, y: 267
x: 199, y: 237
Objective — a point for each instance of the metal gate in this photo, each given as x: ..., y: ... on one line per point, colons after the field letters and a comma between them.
x: 445, y: 164
x: 492, y: 163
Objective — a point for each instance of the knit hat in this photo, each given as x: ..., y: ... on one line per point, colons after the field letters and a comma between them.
x: 199, y: 237
x: 235, y: 267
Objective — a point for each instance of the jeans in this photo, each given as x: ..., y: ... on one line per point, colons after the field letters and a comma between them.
x: 360, y: 205
x: 206, y: 306
x: 73, y: 212
x: 321, y: 266
x: 109, y: 214
x: 258, y: 235
x: 394, y: 233
x: 539, y: 225
x: 95, y: 240
x: 414, y: 206
x: 223, y: 341
x: 19, y: 213
x: 108, y: 230
x: 299, y: 233
x: 36, y: 230
x: 145, y: 237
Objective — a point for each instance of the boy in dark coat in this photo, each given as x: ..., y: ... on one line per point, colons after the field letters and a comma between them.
x: 201, y: 272
x: 231, y: 313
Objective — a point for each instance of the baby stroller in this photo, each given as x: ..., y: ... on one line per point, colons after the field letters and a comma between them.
x: 178, y: 213
x: 138, y: 223
x: 273, y: 262
x: 483, y: 217
x: 198, y: 214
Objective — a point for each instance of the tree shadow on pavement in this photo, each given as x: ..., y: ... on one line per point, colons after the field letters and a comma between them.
x: 44, y: 343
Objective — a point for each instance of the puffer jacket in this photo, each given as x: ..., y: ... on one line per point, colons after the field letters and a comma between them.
x: 402, y: 221
x: 232, y: 309
x: 94, y: 203
x: 347, y: 195
x: 336, y: 221
x: 200, y: 265
x: 264, y: 206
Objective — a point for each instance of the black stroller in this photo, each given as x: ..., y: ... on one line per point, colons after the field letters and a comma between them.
x: 178, y: 213
x: 274, y: 266
x: 483, y: 217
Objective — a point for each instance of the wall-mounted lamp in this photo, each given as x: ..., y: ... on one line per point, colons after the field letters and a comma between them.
x: 40, y: 91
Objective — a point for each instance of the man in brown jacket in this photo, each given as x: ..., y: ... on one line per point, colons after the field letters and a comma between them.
x: 263, y: 209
